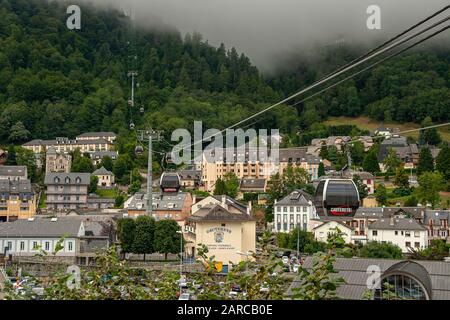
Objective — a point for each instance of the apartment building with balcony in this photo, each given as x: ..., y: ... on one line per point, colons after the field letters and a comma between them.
x: 247, y: 164
x: 67, y: 190
x: 66, y: 145
x: 17, y: 200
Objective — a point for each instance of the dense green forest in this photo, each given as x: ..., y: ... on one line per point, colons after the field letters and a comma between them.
x: 57, y: 82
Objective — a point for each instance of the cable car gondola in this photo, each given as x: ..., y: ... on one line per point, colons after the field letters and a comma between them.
x: 170, y: 182
x: 139, y: 150
x: 336, y: 198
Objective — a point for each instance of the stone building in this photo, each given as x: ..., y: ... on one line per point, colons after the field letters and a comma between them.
x: 57, y: 162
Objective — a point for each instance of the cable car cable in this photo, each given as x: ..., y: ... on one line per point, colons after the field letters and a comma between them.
x: 328, y: 78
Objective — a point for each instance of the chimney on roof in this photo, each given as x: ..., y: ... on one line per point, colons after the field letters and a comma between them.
x: 224, y: 201
x: 391, y: 221
x: 249, y: 208
x: 194, y: 199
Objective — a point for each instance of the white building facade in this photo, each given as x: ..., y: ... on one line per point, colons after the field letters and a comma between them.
x: 295, y: 210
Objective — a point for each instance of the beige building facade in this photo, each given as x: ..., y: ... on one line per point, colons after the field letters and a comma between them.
x: 57, y: 162
x: 213, y: 169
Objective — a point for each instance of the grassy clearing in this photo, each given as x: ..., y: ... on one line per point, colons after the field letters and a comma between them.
x: 367, y: 124
x: 107, y: 193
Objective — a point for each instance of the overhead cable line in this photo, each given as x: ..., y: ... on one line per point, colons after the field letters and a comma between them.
x: 333, y: 75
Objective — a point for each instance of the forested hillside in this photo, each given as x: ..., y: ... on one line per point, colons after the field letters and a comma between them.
x: 406, y: 89
x: 57, y: 82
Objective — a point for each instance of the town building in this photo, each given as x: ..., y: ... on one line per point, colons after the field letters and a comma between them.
x: 66, y: 145
x: 24, y: 239
x: 176, y: 206
x: 407, y: 153
x: 190, y: 179
x: 105, y: 178
x: 406, y: 233
x: 247, y: 164
x: 13, y: 173
x: 108, y: 136
x: 95, y: 202
x: 227, y: 202
x: 250, y: 185
x: 294, y: 210
x: 410, y: 280
x: 17, y: 200
x: 437, y: 222
x: 97, y: 156
x: 57, y: 162
x: 383, y: 131
x: 67, y: 190
x: 367, y: 178
x: 229, y: 233
x: 322, y: 229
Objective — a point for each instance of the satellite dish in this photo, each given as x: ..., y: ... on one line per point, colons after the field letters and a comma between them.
x: 131, y: 125
x: 141, y: 109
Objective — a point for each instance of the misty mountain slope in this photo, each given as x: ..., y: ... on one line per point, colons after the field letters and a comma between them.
x: 54, y: 81
x: 57, y: 82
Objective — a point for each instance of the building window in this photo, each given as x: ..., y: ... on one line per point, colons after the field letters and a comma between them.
x: 407, y: 234
x: 374, y: 232
x: 416, y: 234
x: 417, y: 244
x: 22, y: 245
x: 284, y: 209
x: 70, y: 246
x: 305, y: 209
x: 35, y: 245
x: 396, y: 232
x: 407, y: 244
x: 9, y: 246
x: 47, y: 245
x: 291, y: 209
x: 298, y: 209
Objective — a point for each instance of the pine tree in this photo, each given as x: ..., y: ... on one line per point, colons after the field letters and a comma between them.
x: 443, y: 162
x: 426, y: 162
x: 321, y: 171
x: 370, y: 162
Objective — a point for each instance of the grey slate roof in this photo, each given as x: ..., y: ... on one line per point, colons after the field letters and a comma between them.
x: 50, y: 178
x: 295, y: 198
x: 218, y: 213
x: 64, y: 141
x: 102, y: 172
x: 232, y: 202
x: 163, y: 201
x: 101, y: 154
x: 190, y: 174
x: 396, y: 224
x: 17, y: 171
x: 249, y: 183
x: 354, y: 272
x: 16, y: 187
x: 40, y: 228
x: 96, y: 134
